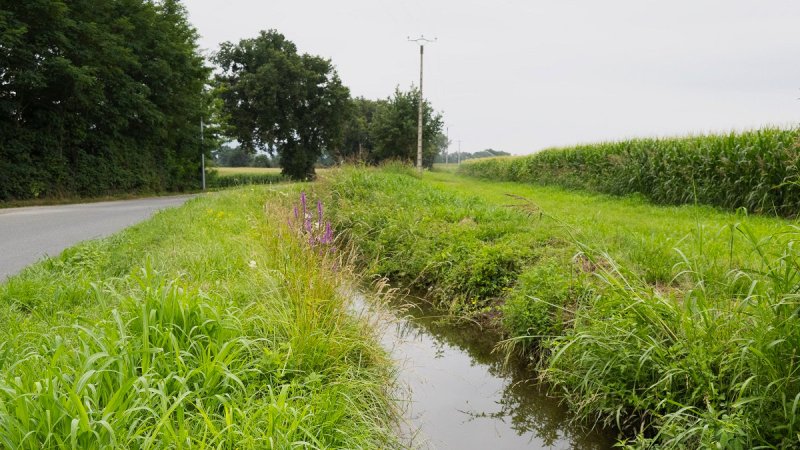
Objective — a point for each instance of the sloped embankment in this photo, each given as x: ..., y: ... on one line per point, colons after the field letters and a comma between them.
x: 689, y: 347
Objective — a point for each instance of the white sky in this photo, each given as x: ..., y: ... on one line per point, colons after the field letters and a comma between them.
x: 520, y: 75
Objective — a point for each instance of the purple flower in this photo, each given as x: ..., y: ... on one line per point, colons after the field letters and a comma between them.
x: 303, y: 202
x: 295, y: 213
x: 327, y: 238
x: 319, y: 212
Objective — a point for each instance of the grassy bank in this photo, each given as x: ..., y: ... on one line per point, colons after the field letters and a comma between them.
x: 677, y: 324
x: 212, y: 325
x: 756, y: 170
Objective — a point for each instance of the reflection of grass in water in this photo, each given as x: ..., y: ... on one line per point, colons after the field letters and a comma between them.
x: 523, y: 401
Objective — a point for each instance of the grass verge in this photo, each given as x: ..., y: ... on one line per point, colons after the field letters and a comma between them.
x: 679, y: 325
x: 213, y: 325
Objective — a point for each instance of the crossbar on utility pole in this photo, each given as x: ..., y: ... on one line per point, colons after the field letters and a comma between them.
x: 421, y: 40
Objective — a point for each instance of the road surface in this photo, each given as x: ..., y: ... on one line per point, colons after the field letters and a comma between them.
x: 30, y: 233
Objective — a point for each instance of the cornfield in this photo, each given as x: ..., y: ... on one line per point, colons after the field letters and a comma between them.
x: 756, y: 170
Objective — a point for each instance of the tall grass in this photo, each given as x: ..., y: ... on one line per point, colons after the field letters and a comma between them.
x: 707, y: 366
x: 211, y: 326
x: 756, y: 170
x: 678, y: 325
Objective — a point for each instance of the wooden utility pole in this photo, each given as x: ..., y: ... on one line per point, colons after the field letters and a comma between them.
x: 421, y: 41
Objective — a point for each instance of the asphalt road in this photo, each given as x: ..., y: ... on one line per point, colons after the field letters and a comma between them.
x: 30, y: 233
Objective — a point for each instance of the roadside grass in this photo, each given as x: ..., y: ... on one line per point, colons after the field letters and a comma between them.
x: 213, y: 325
x: 70, y: 200
x: 676, y: 324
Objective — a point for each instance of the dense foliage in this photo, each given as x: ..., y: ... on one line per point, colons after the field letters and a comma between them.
x: 757, y: 170
x: 237, y: 156
x: 678, y: 325
x: 383, y: 130
x: 98, y: 97
x: 279, y: 101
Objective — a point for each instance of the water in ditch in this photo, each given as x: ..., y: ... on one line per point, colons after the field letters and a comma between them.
x: 459, y: 394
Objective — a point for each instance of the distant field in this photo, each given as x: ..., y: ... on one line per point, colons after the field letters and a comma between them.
x: 441, y: 167
x: 230, y: 171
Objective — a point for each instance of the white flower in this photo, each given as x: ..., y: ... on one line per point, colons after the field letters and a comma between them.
x: 252, y: 264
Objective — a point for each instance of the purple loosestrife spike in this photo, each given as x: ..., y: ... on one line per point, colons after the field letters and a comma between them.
x: 319, y: 212
x: 295, y: 213
x: 328, y: 238
x: 303, y: 202
x: 308, y: 225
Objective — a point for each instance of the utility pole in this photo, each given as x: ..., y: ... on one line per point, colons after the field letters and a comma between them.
x: 421, y: 40
x: 202, y: 153
x: 459, y: 151
x: 447, y: 149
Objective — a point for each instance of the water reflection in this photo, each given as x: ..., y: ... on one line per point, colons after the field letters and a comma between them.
x: 461, y: 394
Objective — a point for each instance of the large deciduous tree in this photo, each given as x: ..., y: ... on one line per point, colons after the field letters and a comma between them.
x: 277, y: 100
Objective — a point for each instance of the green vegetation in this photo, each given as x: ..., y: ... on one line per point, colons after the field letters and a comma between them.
x: 98, y: 98
x: 296, y: 104
x: 237, y: 156
x: 454, y: 157
x: 756, y: 170
x: 678, y: 325
x: 234, y: 171
x: 109, y: 99
x: 209, y: 326
x: 224, y: 177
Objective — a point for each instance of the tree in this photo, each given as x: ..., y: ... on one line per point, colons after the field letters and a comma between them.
x: 278, y: 101
x: 357, y: 141
x: 394, y: 129
x: 229, y: 156
x: 98, y: 97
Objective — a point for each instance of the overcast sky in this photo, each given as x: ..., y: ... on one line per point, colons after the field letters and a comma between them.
x: 520, y: 75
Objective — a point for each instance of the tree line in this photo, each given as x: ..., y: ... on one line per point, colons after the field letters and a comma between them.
x: 107, y: 96
x: 98, y: 97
